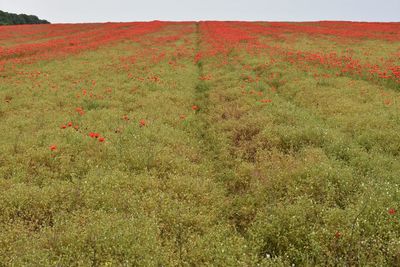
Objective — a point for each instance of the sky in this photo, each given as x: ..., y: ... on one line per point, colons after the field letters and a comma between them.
x: 75, y: 11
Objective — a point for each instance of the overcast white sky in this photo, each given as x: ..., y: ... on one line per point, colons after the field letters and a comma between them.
x: 58, y: 11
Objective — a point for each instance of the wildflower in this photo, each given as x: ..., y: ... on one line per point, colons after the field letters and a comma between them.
x: 69, y: 124
x: 154, y: 78
x: 125, y: 117
x: 76, y: 127
x: 63, y: 126
x: 194, y: 107
x: 80, y: 110
x: 142, y: 122
x: 94, y: 135
x: 197, y: 57
x: 53, y: 147
x: 387, y: 102
x: 392, y: 211
x: 101, y: 139
x: 205, y: 77
x: 338, y: 234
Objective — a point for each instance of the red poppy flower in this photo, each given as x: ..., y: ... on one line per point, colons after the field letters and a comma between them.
x: 63, y: 126
x: 53, y: 147
x: 80, y: 110
x: 392, y: 211
x: 194, y: 107
x: 102, y: 139
x: 76, y: 127
x: 197, y: 57
x: 94, y: 135
x: 388, y: 102
x: 338, y: 234
x: 142, y: 122
x: 69, y: 124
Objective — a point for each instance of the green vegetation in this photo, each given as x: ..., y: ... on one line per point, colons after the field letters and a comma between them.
x: 216, y: 171
x: 16, y: 19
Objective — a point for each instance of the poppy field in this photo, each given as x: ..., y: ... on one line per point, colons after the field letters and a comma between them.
x: 200, y: 144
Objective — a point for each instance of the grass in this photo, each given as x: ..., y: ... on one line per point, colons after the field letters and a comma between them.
x: 309, y: 177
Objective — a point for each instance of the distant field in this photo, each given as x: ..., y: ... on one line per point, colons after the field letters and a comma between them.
x: 200, y: 144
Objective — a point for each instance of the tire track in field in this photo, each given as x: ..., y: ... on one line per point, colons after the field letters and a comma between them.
x: 202, y: 222
x: 210, y: 139
x: 224, y: 166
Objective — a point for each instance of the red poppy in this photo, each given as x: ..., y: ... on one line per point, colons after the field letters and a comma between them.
x: 197, y: 57
x: 69, y: 124
x: 338, y: 234
x: 387, y: 102
x: 80, y: 110
x: 142, y: 122
x: 53, y: 147
x: 392, y: 211
x: 63, y: 126
x: 94, y: 135
x: 194, y: 107
x: 76, y: 127
x: 102, y: 139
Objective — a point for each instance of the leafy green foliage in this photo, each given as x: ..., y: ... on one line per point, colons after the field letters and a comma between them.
x: 16, y: 19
